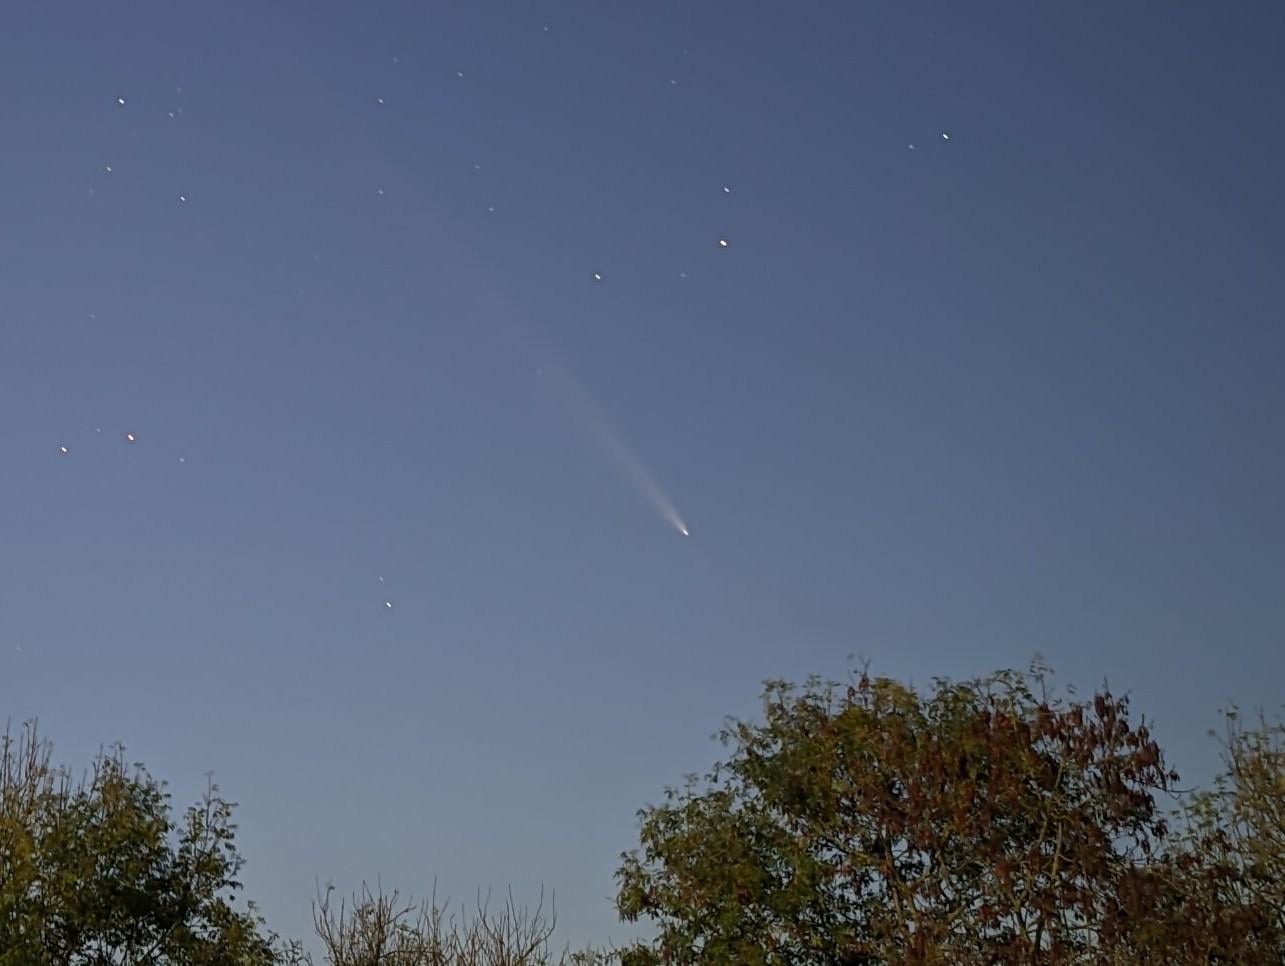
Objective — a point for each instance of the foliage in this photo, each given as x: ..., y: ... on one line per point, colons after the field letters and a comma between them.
x: 989, y: 821
x: 1251, y: 801
x: 1223, y: 898
x: 982, y: 822
x: 99, y: 872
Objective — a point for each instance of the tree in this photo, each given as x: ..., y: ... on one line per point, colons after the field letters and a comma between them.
x: 99, y: 872
x: 381, y: 930
x: 1219, y: 890
x: 983, y: 822
x: 1249, y: 799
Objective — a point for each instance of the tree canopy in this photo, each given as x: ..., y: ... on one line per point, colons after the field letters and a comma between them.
x: 989, y: 821
x: 99, y: 872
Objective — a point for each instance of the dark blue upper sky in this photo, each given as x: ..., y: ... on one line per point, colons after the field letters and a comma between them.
x: 991, y: 365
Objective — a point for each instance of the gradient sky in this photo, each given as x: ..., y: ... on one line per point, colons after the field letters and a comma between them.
x: 941, y: 407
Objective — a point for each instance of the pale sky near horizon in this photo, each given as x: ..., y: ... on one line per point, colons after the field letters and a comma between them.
x: 425, y: 305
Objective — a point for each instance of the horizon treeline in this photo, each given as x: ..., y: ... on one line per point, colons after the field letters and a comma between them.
x: 994, y: 820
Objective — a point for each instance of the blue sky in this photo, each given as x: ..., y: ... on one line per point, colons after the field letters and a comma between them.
x: 1016, y: 389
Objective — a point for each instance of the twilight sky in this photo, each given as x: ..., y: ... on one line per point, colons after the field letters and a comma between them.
x: 991, y: 364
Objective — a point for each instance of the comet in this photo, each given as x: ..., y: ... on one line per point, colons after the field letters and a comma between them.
x: 617, y: 449
x: 520, y: 333
x: 609, y: 440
